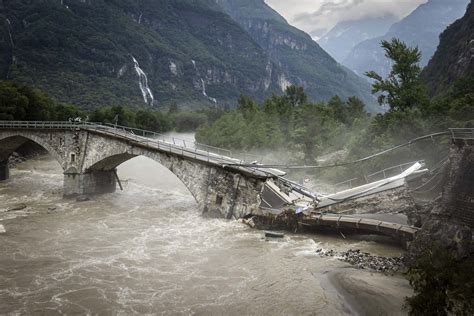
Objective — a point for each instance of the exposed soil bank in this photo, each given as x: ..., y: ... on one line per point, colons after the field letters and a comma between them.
x: 370, y: 293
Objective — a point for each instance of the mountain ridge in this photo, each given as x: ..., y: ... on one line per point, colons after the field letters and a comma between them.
x: 345, y: 35
x: 454, y: 57
x: 302, y: 60
x: 139, y: 52
x: 420, y: 28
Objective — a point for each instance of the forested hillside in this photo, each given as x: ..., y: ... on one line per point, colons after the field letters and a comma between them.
x: 146, y: 52
x: 302, y: 61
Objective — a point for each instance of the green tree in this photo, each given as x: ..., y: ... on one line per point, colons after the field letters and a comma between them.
x: 173, y: 108
x: 247, y: 107
x: 227, y: 132
x: 146, y: 119
x: 188, y: 121
x: 403, y: 88
x: 25, y: 103
x: 355, y: 110
x: 62, y: 112
x: 339, y: 109
x: 13, y: 104
x: 313, y: 130
x: 296, y: 95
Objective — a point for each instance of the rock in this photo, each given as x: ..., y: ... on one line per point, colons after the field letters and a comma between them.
x: 17, y: 207
x: 451, y: 219
x: 2, y: 229
x: 448, y: 235
x: 364, y: 260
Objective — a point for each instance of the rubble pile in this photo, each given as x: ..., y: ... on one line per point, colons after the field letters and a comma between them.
x: 364, y: 260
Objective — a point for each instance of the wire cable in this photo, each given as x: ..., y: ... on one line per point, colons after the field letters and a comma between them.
x: 341, y: 164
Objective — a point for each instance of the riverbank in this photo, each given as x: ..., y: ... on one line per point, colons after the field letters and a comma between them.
x: 369, y: 293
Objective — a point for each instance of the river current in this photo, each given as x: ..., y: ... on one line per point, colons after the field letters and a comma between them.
x: 148, y: 250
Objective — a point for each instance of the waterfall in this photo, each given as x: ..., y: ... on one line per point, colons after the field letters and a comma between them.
x: 205, y: 93
x: 143, y: 83
x: 9, y: 32
x: 203, y: 84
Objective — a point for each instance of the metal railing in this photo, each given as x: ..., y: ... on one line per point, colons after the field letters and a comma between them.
x: 462, y: 133
x: 46, y: 124
x: 379, y: 175
x: 172, y: 140
x: 239, y: 155
x: 348, y: 183
x: 388, y: 172
x: 152, y: 139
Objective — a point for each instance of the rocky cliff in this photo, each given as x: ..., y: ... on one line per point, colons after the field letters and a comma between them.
x: 450, y: 220
x: 299, y: 59
x: 454, y: 58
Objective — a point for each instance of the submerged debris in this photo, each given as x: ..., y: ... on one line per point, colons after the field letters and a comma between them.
x: 2, y: 229
x: 249, y: 221
x: 364, y: 260
x: 82, y: 198
x: 17, y: 207
x: 274, y: 234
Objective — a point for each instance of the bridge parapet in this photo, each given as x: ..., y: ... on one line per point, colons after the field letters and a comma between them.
x: 89, y: 154
x: 462, y: 133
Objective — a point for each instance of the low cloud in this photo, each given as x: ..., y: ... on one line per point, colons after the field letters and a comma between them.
x: 318, y: 16
x: 328, y: 8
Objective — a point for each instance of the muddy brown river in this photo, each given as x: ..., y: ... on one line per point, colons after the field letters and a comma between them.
x: 148, y: 250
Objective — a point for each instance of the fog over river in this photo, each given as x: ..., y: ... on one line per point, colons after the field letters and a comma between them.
x: 147, y: 249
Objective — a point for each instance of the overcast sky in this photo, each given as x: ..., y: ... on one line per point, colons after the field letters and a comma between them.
x: 318, y: 16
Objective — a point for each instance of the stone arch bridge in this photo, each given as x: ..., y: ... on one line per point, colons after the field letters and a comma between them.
x: 90, y: 153
x: 223, y: 186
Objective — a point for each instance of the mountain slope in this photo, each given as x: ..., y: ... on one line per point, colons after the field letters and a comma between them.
x: 301, y: 60
x: 343, y: 37
x: 148, y: 52
x: 132, y: 52
x: 421, y: 28
x: 454, y: 58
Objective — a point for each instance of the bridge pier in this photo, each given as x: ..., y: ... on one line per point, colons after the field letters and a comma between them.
x: 91, y: 183
x: 4, y: 170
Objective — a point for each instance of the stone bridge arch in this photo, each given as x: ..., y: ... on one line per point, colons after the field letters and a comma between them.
x: 10, y: 141
x: 90, y: 157
x: 217, y: 191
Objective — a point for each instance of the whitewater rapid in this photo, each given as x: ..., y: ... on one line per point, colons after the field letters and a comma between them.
x: 147, y: 249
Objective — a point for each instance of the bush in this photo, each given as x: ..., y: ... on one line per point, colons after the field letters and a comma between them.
x: 443, y: 285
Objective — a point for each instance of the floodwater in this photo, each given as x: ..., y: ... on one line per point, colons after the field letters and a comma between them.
x: 148, y: 250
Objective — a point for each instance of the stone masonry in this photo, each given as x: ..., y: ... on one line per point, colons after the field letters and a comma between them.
x: 89, y: 160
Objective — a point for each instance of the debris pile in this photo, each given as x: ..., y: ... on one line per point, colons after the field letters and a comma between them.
x: 364, y: 260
